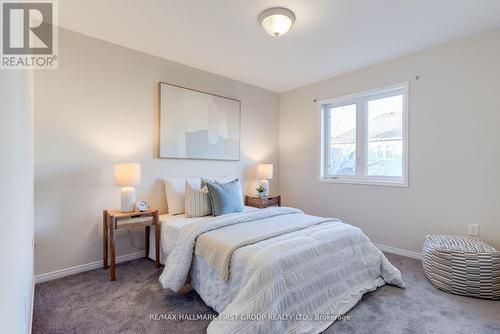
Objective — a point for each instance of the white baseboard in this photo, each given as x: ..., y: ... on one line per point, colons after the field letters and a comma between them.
x: 84, y: 267
x: 399, y: 251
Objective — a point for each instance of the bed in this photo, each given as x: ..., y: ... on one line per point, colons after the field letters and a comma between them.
x: 274, y: 270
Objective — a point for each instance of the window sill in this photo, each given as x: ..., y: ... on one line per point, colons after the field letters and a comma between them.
x: 368, y: 182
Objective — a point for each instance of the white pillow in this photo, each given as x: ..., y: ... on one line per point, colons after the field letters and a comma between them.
x: 197, y: 201
x: 174, y: 190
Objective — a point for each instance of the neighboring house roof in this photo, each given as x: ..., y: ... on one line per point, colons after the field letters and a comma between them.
x: 384, y: 127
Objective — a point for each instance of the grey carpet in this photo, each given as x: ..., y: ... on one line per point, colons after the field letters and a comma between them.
x: 90, y: 303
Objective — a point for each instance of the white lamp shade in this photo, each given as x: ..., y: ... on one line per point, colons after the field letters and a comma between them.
x: 265, y: 171
x: 127, y: 174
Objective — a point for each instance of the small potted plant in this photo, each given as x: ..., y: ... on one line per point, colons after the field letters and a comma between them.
x: 260, y: 191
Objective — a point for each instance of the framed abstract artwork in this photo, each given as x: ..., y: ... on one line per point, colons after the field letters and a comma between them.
x: 198, y: 125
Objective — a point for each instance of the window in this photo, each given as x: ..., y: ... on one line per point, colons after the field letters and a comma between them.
x: 364, y: 137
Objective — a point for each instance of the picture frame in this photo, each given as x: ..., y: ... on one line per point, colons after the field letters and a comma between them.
x: 198, y: 125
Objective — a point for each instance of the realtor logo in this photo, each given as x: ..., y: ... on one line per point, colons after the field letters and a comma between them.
x: 29, y: 35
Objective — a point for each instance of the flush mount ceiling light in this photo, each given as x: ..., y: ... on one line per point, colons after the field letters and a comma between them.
x: 276, y: 21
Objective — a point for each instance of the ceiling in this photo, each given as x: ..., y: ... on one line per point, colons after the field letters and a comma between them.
x: 330, y: 37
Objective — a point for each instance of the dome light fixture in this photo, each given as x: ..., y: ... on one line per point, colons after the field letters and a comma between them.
x: 276, y: 21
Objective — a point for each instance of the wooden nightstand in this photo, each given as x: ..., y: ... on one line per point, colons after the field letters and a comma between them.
x: 263, y: 202
x: 116, y: 220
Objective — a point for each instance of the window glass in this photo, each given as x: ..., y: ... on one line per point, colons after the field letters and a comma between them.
x: 342, y: 148
x: 385, y: 136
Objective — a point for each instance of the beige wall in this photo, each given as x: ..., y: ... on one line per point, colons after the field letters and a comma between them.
x: 101, y: 106
x: 454, y: 147
x: 16, y: 197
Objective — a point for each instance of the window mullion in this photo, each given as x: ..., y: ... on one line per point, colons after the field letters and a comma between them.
x: 327, y: 140
x: 360, y: 138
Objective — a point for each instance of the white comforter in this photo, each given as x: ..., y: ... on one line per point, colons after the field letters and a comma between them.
x: 296, y: 282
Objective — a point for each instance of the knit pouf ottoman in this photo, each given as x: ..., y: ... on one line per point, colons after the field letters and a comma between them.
x: 462, y: 265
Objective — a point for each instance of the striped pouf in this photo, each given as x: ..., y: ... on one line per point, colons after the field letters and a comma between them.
x: 462, y: 265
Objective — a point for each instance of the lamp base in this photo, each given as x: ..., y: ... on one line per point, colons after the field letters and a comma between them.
x: 265, y: 185
x: 128, y: 199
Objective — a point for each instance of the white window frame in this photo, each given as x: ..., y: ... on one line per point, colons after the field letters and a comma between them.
x: 360, y: 100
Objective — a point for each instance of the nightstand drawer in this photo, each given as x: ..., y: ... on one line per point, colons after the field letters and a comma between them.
x: 263, y: 202
x: 269, y: 201
x: 135, y: 222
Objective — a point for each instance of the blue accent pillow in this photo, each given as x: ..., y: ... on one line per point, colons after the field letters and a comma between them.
x: 225, y: 198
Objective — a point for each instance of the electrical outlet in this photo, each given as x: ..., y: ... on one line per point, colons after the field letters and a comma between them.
x: 474, y: 230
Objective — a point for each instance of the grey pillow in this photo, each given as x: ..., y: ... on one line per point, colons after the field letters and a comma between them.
x: 225, y: 198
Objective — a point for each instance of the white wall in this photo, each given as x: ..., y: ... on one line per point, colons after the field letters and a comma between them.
x: 101, y: 106
x: 16, y: 197
x: 454, y: 147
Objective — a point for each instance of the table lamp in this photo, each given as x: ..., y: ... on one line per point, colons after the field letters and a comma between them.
x: 265, y: 173
x: 128, y: 175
